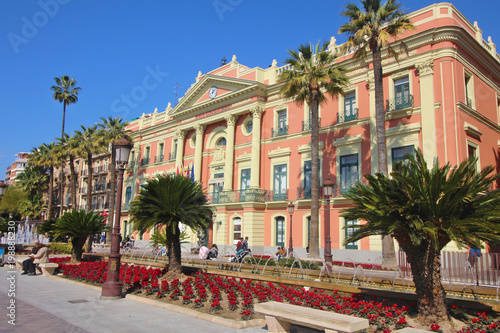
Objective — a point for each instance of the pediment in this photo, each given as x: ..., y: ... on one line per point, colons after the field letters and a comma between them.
x: 198, y: 97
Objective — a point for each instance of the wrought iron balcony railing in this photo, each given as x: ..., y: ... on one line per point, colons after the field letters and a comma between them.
x: 399, y: 103
x: 158, y: 158
x: 276, y: 195
x: 171, y: 156
x: 248, y: 195
x: 307, y: 125
x: 347, y: 115
x: 145, y: 161
x: 280, y: 131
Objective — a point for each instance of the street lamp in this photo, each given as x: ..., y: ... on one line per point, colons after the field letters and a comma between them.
x: 214, y: 216
x: 291, y: 207
x: 328, y: 191
x: 112, y: 288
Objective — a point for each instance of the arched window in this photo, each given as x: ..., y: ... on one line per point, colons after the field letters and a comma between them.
x: 280, y: 231
x: 221, y: 142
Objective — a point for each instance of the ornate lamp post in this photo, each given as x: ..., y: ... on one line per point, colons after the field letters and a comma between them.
x: 328, y: 191
x: 291, y: 207
x: 112, y: 288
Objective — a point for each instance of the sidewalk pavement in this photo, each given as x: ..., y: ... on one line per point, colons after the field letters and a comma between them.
x: 44, y: 304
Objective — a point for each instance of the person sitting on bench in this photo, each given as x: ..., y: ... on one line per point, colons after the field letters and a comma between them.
x: 41, y: 256
x: 29, y: 261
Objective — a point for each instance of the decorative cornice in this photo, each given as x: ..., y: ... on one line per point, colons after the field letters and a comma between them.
x: 472, y: 131
x: 403, y: 129
x: 245, y: 157
x: 279, y: 152
x: 478, y: 116
x: 307, y: 147
x: 348, y: 140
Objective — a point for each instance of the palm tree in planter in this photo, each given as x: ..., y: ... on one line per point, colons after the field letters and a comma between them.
x: 373, y: 27
x: 312, y: 72
x: 165, y: 201
x: 425, y: 209
x: 79, y: 225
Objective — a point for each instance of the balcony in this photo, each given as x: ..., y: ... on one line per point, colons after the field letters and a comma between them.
x: 248, y: 195
x: 399, y: 103
x: 280, y: 131
x: 347, y: 116
x: 159, y: 159
x: 145, y: 161
x: 307, y: 125
x: 171, y: 156
x: 276, y: 195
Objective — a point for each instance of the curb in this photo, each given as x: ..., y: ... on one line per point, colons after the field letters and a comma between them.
x: 175, y: 308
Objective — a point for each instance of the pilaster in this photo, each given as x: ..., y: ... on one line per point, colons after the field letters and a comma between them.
x: 428, y: 118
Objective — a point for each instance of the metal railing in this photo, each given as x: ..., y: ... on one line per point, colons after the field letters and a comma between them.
x: 145, y: 161
x: 307, y: 125
x: 347, y: 116
x: 248, y: 195
x: 158, y: 158
x: 280, y: 131
x: 276, y: 195
x: 399, y: 103
x: 171, y: 156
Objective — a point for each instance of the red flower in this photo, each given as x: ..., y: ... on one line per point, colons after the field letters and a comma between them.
x: 435, y: 327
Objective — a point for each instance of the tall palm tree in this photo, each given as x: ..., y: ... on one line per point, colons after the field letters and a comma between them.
x: 66, y: 92
x: 32, y: 206
x: 79, y: 225
x: 166, y: 201
x: 43, y: 156
x: 373, y: 27
x: 33, y: 180
x: 425, y: 210
x: 67, y: 148
x: 112, y: 130
x: 312, y: 73
x: 88, y: 145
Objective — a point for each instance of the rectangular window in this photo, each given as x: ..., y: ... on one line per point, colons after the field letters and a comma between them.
x: 348, y: 171
x: 218, y: 187
x: 280, y: 231
x: 236, y: 230
x: 350, y: 110
x: 280, y: 184
x: 348, y: 233
x: 468, y: 90
x: 282, y: 124
x: 307, y: 179
x: 245, y: 183
x: 398, y: 154
x: 403, y: 98
x: 161, y: 149
x: 128, y: 196
x: 174, y: 152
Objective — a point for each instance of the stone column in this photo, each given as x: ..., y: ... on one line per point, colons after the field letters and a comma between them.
x: 180, y: 135
x: 198, y: 151
x: 427, y: 115
x: 229, y: 165
x: 255, y: 168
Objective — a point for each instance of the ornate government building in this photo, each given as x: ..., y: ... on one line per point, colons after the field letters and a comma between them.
x: 250, y: 147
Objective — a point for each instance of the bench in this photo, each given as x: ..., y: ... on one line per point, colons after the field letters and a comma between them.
x: 280, y: 316
x: 45, y: 268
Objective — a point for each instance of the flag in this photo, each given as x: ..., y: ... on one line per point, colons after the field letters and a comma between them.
x: 182, y: 174
x: 177, y: 169
x: 192, y: 173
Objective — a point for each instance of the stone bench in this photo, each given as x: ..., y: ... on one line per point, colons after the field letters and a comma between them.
x: 279, y: 317
x: 45, y: 268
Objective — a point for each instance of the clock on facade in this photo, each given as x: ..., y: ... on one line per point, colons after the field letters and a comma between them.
x: 212, y: 92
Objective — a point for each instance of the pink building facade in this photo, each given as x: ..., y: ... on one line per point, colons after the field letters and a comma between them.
x: 250, y: 147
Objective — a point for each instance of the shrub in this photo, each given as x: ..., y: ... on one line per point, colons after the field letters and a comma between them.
x: 61, y: 248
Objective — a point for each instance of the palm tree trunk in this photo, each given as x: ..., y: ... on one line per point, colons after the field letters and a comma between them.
x: 64, y: 118
x: 112, y: 195
x: 426, y: 270
x: 89, y: 180
x: 73, y: 180
x: 51, y: 194
x: 61, y: 189
x: 314, y: 236
x: 388, y: 251
x: 77, y: 251
x: 174, y: 251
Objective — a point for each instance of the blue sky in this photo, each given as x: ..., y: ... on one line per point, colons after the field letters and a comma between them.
x: 113, y: 48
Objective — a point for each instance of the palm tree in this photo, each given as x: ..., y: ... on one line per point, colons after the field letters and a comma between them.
x: 32, y: 206
x: 33, y: 180
x: 43, y: 156
x: 67, y: 148
x: 112, y: 130
x: 88, y: 145
x: 425, y: 210
x: 373, y: 27
x: 79, y: 225
x: 65, y: 92
x: 166, y: 201
x: 312, y: 72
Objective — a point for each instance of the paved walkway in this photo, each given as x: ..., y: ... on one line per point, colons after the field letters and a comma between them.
x: 46, y: 304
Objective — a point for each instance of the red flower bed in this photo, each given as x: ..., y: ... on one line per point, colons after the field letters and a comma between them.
x: 215, y: 292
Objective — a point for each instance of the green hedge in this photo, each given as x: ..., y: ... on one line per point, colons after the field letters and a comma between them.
x: 61, y: 248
